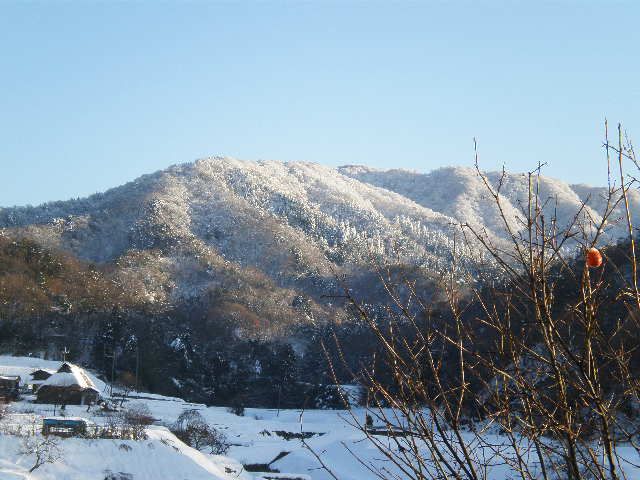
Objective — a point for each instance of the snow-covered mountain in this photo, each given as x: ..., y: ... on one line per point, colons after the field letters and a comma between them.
x: 459, y: 193
x: 292, y: 225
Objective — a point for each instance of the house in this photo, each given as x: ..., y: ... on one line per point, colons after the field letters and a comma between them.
x: 39, y: 376
x: 9, y: 387
x: 70, y: 385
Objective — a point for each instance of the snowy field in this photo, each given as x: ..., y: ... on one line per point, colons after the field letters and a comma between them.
x: 258, y: 437
x: 162, y: 456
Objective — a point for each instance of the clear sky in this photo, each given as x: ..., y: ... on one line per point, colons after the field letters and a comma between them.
x: 94, y: 94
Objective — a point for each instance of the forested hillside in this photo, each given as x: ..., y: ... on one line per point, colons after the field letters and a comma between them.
x: 215, y: 280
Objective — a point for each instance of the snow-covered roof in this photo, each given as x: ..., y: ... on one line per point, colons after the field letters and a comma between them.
x: 69, y: 419
x: 24, y: 366
x: 75, y: 376
x: 48, y: 370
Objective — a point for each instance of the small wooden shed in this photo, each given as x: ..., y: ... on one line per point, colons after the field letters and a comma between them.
x: 64, y: 426
x: 9, y: 386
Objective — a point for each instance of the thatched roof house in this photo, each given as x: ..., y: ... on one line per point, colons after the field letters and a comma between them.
x: 70, y: 385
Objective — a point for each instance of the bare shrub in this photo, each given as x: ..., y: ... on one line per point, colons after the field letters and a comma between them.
x: 45, y: 449
x: 138, y: 414
x: 127, y: 424
x: 192, y: 429
x: 134, y: 420
x: 236, y: 409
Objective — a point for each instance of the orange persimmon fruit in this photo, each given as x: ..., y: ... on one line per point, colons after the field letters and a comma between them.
x: 594, y: 257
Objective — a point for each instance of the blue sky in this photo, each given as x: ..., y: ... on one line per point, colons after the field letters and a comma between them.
x: 93, y: 94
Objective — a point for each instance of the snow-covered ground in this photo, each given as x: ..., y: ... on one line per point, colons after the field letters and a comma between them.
x: 162, y: 456
x: 253, y: 437
x: 258, y: 437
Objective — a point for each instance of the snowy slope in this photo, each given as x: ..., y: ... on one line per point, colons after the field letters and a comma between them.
x: 161, y: 457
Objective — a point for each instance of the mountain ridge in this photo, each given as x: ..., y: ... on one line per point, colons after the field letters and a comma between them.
x: 297, y: 224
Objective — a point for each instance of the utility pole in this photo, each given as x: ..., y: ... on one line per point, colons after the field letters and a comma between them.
x: 279, y: 396
x: 113, y: 369
x: 137, y: 361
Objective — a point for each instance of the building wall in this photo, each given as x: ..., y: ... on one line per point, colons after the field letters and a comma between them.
x: 65, y: 396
